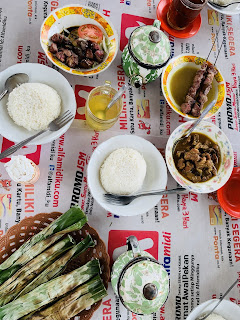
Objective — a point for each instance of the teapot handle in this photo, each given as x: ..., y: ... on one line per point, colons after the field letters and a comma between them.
x: 132, y: 244
x: 157, y: 23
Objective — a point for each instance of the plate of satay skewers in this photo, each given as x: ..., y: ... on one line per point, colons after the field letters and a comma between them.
x: 190, y: 83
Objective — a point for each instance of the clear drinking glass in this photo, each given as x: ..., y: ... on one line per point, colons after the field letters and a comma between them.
x: 182, y: 12
x: 95, y: 110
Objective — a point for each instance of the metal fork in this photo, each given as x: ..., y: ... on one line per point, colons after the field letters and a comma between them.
x: 55, y: 125
x: 125, y: 200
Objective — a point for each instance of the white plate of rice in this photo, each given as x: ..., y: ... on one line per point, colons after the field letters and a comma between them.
x: 57, y: 96
x: 155, y: 178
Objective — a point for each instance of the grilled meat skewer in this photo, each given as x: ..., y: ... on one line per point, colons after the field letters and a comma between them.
x: 192, y: 92
x: 204, y: 90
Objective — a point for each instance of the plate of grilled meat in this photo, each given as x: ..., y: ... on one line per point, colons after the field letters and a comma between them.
x: 79, y: 40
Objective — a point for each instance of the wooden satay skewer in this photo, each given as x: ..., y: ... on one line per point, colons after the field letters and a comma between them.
x: 190, y: 99
x: 192, y: 92
x: 206, y: 86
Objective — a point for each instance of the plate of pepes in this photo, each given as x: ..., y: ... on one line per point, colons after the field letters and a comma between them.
x: 52, y: 266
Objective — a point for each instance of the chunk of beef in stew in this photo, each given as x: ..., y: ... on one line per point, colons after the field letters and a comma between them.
x: 197, y: 157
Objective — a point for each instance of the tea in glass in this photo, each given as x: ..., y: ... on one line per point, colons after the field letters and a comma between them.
x: 98, y: 116
x: 182, y: 12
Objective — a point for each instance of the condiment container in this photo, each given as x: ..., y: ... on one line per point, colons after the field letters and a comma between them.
x: 97, y: 117
x: 147, y: 52
x: 139, y: 280
x: 22, y: 170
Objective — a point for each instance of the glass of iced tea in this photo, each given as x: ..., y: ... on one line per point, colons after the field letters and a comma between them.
x: 182, y: 12
x: 97, y: 117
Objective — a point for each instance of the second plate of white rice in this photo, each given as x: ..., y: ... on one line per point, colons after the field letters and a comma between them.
x: 155, y: 178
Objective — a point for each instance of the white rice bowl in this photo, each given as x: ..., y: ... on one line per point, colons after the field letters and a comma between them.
x: 34, y: 105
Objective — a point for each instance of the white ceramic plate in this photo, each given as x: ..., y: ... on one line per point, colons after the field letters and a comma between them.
x: 231, y: 10
x: 226, y: 164
x: 42, y: 74
x: 226, y: 309
x: 156, y: 176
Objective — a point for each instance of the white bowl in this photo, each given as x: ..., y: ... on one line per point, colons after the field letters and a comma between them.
x: 42, y: 74
x: 226, y: 164
x: 184, y: 60
x: 156, y: 176
x: 76, y: 15
x: 226, y: 309
x: 230, y: 10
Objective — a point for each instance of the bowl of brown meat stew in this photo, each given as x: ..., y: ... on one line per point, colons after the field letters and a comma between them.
x: 190, y: 83
x: 203, y: 162
x: 79, y: 40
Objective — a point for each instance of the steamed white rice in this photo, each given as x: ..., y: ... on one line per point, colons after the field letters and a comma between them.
x: 123, y: 171
x: 34, y: 105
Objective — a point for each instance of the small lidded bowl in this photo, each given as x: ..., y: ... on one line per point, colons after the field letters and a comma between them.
x: 147, y: 52
x: 139, y: 280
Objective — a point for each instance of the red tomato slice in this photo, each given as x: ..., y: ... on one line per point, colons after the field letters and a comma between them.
x: 90, y: 32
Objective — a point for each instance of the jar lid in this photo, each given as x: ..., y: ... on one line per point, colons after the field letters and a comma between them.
x: 143, y: 285
x: 150, y: 47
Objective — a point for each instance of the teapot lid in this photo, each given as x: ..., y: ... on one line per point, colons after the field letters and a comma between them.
x: 143, y: 285
x: 149, y: 46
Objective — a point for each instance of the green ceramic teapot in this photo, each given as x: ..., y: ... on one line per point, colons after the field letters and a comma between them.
x: 147, y: 52
x: 139, y: 280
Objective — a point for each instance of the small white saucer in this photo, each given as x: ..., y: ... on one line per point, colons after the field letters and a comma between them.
x: 155, y: 179
x: 226, y: 309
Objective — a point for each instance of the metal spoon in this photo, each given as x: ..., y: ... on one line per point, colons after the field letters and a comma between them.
x: 222, y: 6
x: 220, y: 300
x: 190, y: 130
x: 13, y: 81
x: 117, y: 96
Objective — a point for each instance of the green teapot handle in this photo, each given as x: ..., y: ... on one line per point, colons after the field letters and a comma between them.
x: 157, y: 23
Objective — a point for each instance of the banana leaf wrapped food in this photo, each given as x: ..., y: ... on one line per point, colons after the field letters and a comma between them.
x: 49, y: 292
x: 29, y: 255
x: 14, y: 285
x: 73, y: 303
x: 58, y: 267
x: 72, y: 220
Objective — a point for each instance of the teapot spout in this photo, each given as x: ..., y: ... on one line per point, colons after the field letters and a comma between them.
x: 136, y: 81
